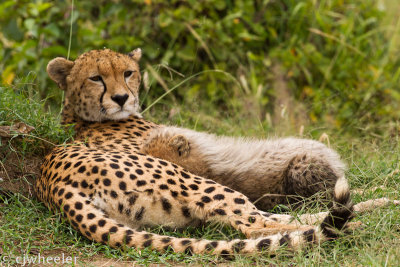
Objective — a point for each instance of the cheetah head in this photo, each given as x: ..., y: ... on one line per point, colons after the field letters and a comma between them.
x: 100, y: 84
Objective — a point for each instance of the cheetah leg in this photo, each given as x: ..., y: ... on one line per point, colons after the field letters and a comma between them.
x: 316, y: 218
x: 233, y: 208
x: 96, y: 225
x: 166, y: 145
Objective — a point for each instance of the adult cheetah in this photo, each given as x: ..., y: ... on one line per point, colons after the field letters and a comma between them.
x: 108, y: 190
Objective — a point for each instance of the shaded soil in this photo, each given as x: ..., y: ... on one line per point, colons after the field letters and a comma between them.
x: 17, y: 171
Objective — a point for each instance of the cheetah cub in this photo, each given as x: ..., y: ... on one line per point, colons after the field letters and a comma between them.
x: 108, y: 190
x: 268, y: 172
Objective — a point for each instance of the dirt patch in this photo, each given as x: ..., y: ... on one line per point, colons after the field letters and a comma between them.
x: 17, y: 171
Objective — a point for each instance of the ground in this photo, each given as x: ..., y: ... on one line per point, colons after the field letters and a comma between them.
x: 27, y: 227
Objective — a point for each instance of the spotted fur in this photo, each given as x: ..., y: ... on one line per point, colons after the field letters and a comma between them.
x: 108, y: 190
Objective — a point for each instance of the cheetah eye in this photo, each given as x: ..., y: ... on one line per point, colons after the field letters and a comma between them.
x: 95, y: 78
x: 128, y: 73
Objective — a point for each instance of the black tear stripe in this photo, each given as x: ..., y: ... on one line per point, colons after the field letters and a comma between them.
x: 130, y: 90
x: 102, y: 95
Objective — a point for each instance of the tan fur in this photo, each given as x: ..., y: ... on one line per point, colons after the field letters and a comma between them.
x: 108, y: 190
x: 268, y: 172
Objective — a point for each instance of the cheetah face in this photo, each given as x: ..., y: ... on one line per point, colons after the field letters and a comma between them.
x: 100, y: 84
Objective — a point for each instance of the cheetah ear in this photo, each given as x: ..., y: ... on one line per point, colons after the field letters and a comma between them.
x: 58, y: 70
x: 136, y: 54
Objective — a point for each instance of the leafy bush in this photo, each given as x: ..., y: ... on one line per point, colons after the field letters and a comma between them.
x: 333, y: 55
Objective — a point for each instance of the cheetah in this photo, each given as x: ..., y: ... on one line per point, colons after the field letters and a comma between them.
x: 108, y: 190
x: 269, y: 172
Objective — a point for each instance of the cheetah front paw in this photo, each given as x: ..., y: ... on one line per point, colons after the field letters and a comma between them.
x: 180, y: 144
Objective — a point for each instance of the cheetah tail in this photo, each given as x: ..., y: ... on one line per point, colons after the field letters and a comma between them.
x: 341, y: 211
x: 96, y: 225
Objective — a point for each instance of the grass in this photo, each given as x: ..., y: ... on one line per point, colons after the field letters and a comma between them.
x: 28, y: 228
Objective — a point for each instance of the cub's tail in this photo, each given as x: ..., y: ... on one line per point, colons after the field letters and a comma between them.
x: 340, y: 212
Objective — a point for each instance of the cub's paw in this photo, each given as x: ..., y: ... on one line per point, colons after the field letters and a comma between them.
x: 180, y: 144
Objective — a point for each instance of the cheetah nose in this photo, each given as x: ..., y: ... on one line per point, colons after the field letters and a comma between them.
x: 120, y: 99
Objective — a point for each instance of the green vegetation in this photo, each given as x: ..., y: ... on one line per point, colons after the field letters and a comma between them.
x: 332, y: 64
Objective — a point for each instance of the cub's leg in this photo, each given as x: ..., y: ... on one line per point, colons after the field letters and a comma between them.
x: 268, y: 172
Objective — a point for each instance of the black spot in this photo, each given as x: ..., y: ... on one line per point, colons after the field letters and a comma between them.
x: 170, y: 173
x: 66, y: 207
x: 119, y: 174
x: 104, y: 237
x: 210, y: 189
x: 75, y: 184
x: 184, y: 193
x: 72, y: 213
x: 251, y: 219
x: 226, y: 189
x: 200, y: 204
x: 67, y: 195
x: 194, y: 187
x: 95, y: 169
x: 219, y: 197
x: 166, y: 205
x: 205, y: 199
x: 132, y: 199
x: 310, y: 235
x: 263, y: 244
x: 74, y: 155
x: 212, y: 245
x: 174, y: 194
x: 79, y: 217
x: 185, y: 175
x: 238, y: 246
x: 239, y: 201
x: 114, y: 166
x: 139, y: 214
x: 84, y: 184
x: 120, y: 207
x: 186, y: 212
x: 184, y: 187
x: 107, y: 182
x: 170, y: 181
x: 133, y: 157
x: 67, y: 165
x: 185, y: 242
x: 141, y: 183
x: 76, y: 165
x: 163, y: 163
x: 101, y: 223
x: 189, y: 250
x: 58, y: 165
x: 78, y: 205
x: 220, y: 212
x: 113, y: 229
x: 147, y: 243
x: 148, y: 165
x: 132, y: 176
x: 113, y: 194
x: 99, y: 160
x: 238, y: 212
x: 166, y: 240
x: 103, y: 172
x: 91, y: 216
x: 82, y: 169
x: 122, y: 186
x: 284, y: 240
x: 156, y: 176
x: 93, y: 228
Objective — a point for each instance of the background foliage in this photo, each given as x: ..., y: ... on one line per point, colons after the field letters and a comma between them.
x: 336, y: 60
